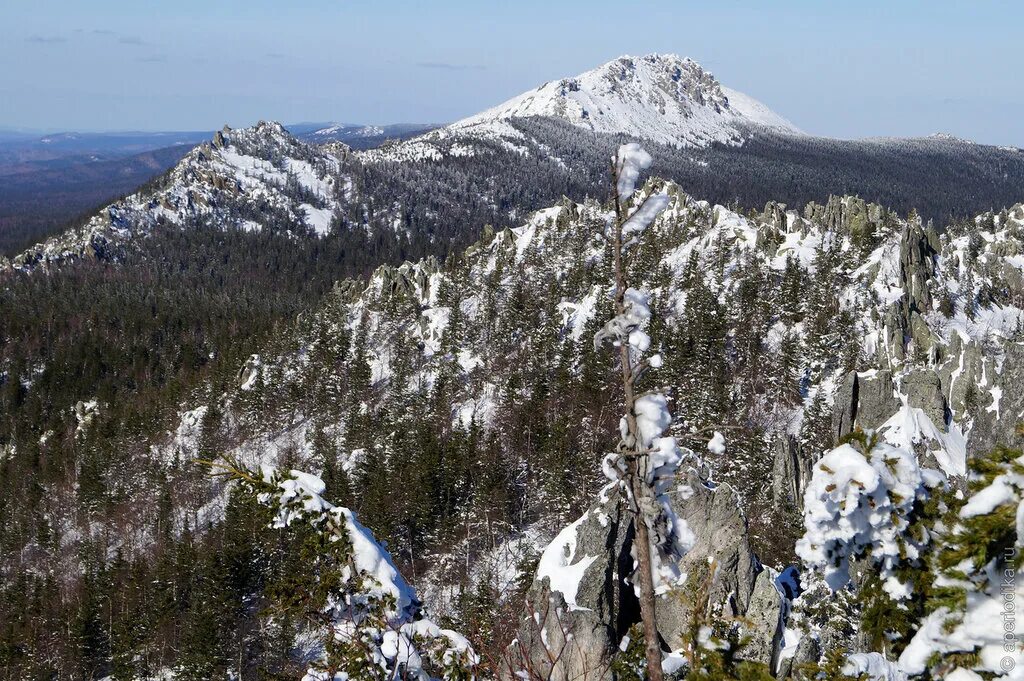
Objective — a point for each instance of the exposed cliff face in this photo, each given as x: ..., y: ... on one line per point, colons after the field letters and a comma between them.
x: 943, y: 355
x: 947, y: 380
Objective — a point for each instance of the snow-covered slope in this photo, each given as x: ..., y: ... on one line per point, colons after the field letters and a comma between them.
x: 363, y: 136
x: 659, y: 97
x: 757, y: 112
x: 251, y: 179
x: 905, y: 316
x: 663, y: 98
x: 354, y: 130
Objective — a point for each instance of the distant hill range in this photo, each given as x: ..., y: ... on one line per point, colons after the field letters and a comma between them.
x: 435, y: 187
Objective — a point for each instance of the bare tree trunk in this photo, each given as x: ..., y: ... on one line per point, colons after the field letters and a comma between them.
x: 636, y: 472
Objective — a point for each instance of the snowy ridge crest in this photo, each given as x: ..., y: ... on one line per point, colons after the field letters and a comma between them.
x: 251, y: 179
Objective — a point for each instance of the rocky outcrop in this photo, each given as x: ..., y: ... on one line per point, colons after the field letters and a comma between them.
x: 999, y: 411
x: 247, y: 374
x: 923, y: 389
x: 574, y: 635
x: 907, y: 335
x: 411, y: 280
x: 847, y: 215
x: 791, y: 471
x: 220, y: 137
x: 348, y: 290
x: 339, y: 150
x: 739, y: 584
x: 774, y: 217
x: 918, y: 249
x: 864, y: 400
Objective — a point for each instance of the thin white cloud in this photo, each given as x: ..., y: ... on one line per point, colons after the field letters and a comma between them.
x: 47, y: 39
x: 446, y: 66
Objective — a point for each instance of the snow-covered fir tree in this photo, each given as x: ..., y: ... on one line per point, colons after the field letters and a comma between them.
x: 348, y: 591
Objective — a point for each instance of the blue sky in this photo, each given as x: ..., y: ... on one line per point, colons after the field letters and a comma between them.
x: 843, y: 69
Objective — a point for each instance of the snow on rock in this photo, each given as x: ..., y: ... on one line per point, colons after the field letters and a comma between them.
x: 872, y: 667
x: 860, y: 503
x: 560, y: 565
x: 251, y: 373
x: 658, y: 97
x: 962, y: 674
x: 910, y: 426
x: 246, y: 179
x: 663, y: 98
x: 716, y: 445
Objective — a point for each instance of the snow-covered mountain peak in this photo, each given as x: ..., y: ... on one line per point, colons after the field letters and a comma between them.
x: 263, y: 139
x: 659, y: 97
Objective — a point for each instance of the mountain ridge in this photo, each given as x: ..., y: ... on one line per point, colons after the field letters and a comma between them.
x: 521, y: 154
x: 252, y: 178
